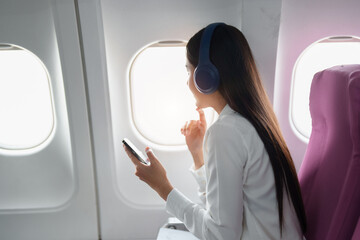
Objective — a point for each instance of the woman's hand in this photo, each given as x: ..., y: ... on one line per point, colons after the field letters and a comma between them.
x: 153, y: 174
x: 194, y: 132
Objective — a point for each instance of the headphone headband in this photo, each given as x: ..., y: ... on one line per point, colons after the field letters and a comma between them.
x: 204, y: 54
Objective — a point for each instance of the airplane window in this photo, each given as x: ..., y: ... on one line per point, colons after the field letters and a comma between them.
x: 318, y: 56
x: 161, y: 101
x: 26, y: 111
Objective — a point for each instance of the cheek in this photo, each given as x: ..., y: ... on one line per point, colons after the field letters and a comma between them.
x: 191, y: 84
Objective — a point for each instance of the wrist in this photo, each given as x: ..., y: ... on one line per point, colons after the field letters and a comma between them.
x: 165, y: 191
x: 198, y: 159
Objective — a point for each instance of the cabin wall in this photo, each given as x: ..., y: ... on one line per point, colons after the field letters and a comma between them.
x: 113, y: 32
x: 48, y: 191
x: 260, y: 25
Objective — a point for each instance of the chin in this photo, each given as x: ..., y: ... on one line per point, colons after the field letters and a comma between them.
x: 201, y: 105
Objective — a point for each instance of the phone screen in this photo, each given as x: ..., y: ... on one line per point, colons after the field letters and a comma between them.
x: 136, y: 152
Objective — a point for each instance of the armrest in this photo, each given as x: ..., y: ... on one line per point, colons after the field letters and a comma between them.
x: 174, y: 223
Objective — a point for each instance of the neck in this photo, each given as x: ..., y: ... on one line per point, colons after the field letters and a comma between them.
x: 219, y: 104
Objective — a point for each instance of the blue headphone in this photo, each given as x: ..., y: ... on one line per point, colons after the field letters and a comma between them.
x: 206, y: 75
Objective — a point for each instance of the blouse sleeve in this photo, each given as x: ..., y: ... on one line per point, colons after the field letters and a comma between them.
x: 221, y: 219
x: 200, y: 177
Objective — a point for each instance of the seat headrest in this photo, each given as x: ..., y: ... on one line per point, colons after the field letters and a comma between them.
x: 335, y: 99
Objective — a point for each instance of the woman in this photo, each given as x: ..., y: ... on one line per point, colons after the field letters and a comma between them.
x: 247, y: 180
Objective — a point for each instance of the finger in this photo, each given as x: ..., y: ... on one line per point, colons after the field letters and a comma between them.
x: 185, y: 128
x: 151, y: 155
x: 192, y: 124
x: 189, y: 125
x: 131, y: 156
x: 139, y: 173
x: 201, y: 115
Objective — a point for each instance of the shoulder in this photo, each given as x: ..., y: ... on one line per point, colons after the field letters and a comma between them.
x: 231, y: 127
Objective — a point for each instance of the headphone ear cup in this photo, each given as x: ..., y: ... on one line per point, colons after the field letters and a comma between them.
x: 206, y: 78
x: 206, y: 75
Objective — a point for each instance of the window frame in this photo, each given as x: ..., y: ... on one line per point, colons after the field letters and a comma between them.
x: 330, y: 39
x: 165, y: 43
x: 9, y: 150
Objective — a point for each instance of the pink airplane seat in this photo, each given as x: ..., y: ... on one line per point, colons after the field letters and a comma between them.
x: 330, y: 173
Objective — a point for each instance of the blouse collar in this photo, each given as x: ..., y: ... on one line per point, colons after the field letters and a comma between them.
x: 226, y: 110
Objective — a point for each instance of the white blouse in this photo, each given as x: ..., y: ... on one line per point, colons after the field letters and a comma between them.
x: 236, y: 186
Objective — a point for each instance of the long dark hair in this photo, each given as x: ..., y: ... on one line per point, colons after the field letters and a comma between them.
x: 241, y: 87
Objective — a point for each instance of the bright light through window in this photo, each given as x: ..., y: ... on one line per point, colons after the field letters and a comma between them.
x: 317, y: 57
x: 26, y: 111
x: 160, y: 98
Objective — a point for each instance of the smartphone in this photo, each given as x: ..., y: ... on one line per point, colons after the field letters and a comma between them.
x: 136, y: 152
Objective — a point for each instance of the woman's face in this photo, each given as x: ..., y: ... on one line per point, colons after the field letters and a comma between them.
x: 214, y: 100
x: 199, y: 97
